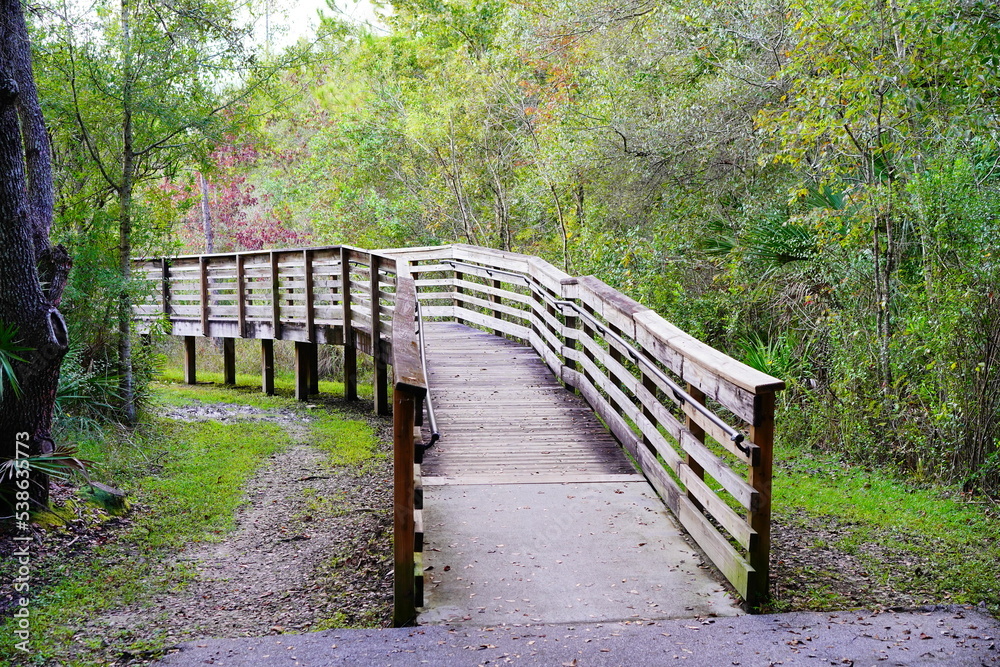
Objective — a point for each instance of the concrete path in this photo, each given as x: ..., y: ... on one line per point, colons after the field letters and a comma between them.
x: 560, y: 553
x: 532, y: 513
x: 946, y: 636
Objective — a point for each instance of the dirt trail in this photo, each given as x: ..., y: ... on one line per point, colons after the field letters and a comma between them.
x: 310, y: 551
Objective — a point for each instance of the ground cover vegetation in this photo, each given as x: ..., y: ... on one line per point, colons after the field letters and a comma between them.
x: 811, y: 187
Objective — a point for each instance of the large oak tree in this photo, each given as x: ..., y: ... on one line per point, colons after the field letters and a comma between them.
x: 32, y: 272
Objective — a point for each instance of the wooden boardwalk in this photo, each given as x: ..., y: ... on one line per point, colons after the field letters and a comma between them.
x: 532, y: 511
x: 523, y: 463
x: 507, y: 420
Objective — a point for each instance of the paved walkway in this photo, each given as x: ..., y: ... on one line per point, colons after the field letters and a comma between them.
x: 532, y: 512
x: 945, y: 636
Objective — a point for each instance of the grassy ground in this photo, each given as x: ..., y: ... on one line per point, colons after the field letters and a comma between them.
x: 185, y: 481
x: 931, y: 543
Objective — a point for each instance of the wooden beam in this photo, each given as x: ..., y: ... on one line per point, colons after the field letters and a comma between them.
x: 307, y: 261
x: 302, y: 369
x: 229, y: 361
x: 275, y: 298
x: 313, y: 368
x: 404, y: 593
x: 165, y: 282
x: 495, y: 298
x: 241, y: 295
x: 190, y: 370
x: 699, y: 434
x: 203, y: 281
x: 267, y: 366
x: 350, y: 344
x: 759, y: 518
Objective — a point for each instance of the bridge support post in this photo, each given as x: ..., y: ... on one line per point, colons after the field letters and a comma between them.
x: 404, y: 592
x: 305, y: 354
x: 229, y: 361
x: 190, y: 369
x: 267, y: 366
x: 759, y: 517
x: 314, y: 369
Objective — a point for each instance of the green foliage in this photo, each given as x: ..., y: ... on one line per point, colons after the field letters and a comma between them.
x: 10, y: 351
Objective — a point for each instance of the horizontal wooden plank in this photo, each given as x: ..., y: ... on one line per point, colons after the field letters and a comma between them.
x: 713, y: 361
x: 737, y: 487
x: 734, y: 524
x: 610, y: 304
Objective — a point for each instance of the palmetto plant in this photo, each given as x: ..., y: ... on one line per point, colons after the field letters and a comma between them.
x: 59, y: 464
x: 10, y: 351
x: 778, y: 356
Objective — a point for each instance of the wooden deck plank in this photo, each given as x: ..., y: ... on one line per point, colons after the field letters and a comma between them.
x: 505, y: 419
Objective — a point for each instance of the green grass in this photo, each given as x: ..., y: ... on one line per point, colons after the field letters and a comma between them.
x: 192, y: 497
x: 949, y: 548
x: 247, y: 385
x: 346, y: 442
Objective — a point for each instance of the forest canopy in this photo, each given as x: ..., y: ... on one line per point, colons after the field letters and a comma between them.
x: 811, y: 187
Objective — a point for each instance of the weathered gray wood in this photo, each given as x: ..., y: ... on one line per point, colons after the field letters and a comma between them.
x: 307, y: 259
x: 759, y: 517
x: 350, y: 344
x: 380, y: 385
x: 303, y: 369
x: 203, y: 278
x: 241, y: 291
x: 275, y: 296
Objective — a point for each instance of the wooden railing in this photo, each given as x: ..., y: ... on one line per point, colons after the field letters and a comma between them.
x: 697, y: 423
x: 295, y: 295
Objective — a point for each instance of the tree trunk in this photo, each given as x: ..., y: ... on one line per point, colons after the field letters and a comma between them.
x: 125, y: 225
x: 25, y: 219
x: 206, y: 215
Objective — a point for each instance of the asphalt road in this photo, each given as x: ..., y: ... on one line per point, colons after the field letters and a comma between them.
x: 951, y: 636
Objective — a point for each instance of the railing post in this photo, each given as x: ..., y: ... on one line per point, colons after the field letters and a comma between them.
x: 404, y: 597
x: 588, y: 331
x: 307, y: 262
x: 458, y: 290
x: 267, y: 366
x: 350, y: 345
x: 203, y: 273
x: 649, y: 385
x: 275, y: 298
x: 380, y: 390
x: 759, y: 517
x: 165, y: 269
x: 241, y: 295
x: 495, y: 298
x: 699, y: 434
x: 570, y: 323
